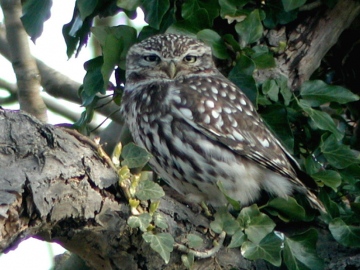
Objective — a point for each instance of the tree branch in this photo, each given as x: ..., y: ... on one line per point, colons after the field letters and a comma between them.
x: 56, y: 187
x: 58, y: 85
x: 24, y: 65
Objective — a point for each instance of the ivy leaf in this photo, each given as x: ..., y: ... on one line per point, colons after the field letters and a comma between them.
x: 162, y: 243
x: 154, y: 11
x: 257, y: 225
x: 271, y: 89
x: 329, y: 178
x: 160, y: 221
x: 115, y: 42
x: 194, y: 241
x: 318, y: 92
x: 286, y: 209
x: 142, y: 221
x: 345, y: 234
x: 214, y: 40
x: 300, y: 252
x: 232, y: 9
x: 284, y: 89
x: 331, y: 207
x: 250, y: 29
x: 276, y: 117
x: 134, y: 156
x: 35, y: 13
x: 86, y: 117
x: 242, y: 76
x: 321, y: 119
x: 269, y: 249
x: 197, y: 15
x: 86, y: 7
x: 292, y: 4
x: 224, y: 221
x: 129, y: 5
x: 338, y: 155
x: 234, y: 203
x: 237, y: 239
x: 93, y: 81
x: 262, y: 57
x: 199, y: 12
x: 230, y: 40
x: 149, y: 190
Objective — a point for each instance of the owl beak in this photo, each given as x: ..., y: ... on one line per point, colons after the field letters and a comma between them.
x: 171, y: 70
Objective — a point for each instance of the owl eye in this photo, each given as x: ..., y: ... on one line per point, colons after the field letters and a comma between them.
x: 152, y: 58
x: 190, y: 58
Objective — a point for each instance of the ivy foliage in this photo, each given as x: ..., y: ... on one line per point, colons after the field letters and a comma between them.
x: 314, y: 123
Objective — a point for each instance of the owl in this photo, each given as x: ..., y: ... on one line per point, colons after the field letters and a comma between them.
x: 201, y: 128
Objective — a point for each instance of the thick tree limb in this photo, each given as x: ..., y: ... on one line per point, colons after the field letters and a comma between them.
x: 24, y: 65
x: 56, y: 187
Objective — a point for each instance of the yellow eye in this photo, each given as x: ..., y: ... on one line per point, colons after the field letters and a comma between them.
x: 152, y: 58
x: 190, y: 59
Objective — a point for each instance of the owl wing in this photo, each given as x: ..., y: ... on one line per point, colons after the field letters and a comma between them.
x: 219, y: 110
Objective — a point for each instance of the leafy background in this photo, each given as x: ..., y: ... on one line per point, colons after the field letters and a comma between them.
x: 315, y: 121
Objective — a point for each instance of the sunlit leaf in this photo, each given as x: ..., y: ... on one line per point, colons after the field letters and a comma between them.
x: 142, y: 221
x: 147, y: 190
x: 160, y: 221
x: 224, y: 221
x: 257, y: 225
x: 237, y: 239
x: 134, y: 156
x: 268, y: 249
x: 162, y: 243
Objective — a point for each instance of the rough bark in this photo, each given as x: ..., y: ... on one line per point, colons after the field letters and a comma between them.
x: 307, y: 41
x: 55, y: 186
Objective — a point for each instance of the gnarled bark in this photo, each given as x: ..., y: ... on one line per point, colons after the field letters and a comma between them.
x: 56, y: 187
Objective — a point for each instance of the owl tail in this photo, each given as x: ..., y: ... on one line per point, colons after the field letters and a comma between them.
x: 315, y: 202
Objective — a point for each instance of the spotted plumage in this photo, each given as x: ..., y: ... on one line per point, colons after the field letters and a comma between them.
x: 200, y: 127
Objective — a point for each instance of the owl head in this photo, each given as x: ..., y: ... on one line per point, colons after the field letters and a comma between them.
x: 168, y: 57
